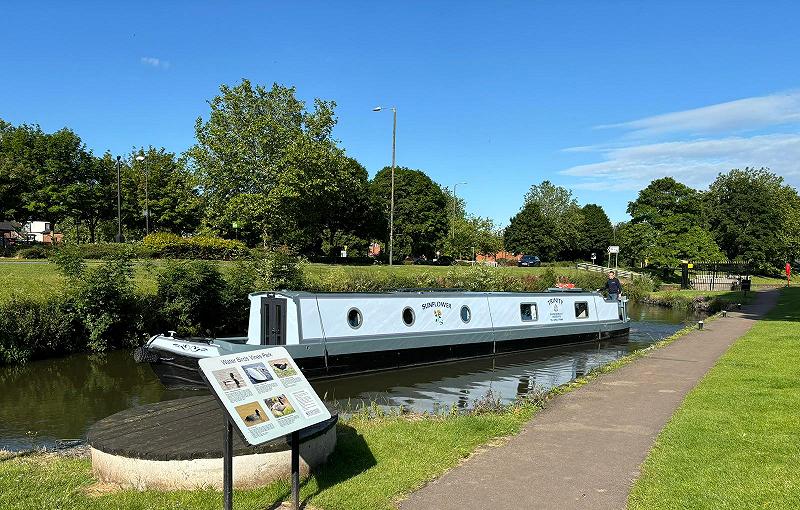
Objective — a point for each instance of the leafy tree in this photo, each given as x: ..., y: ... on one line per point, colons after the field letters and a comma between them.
x: 753, y: 216
x: 532, y: 233
x: 242, y: 147
x: 637, y: 243
x: 597, y: 230
x: 563, y: 216
x: 420, y: 215
x: 162, y: 184
x: 675, y: 214
x: 474, y: 232
x: 269, y: 165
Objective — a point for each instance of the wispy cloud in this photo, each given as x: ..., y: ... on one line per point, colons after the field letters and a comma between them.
x: 693, y: 162
x: 743, y: 114
x: 155, y: 62
x: 758, y: 131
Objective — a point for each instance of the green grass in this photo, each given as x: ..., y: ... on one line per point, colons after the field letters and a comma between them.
x: 376, y: 462
x: 713, y: 300
x: 40, y: 279
x: 735, y: 441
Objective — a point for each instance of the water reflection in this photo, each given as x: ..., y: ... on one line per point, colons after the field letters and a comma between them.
x: 48, y: 400
x: 461, y: 383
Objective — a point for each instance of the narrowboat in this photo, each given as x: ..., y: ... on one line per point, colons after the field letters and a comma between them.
x: 336, y: 333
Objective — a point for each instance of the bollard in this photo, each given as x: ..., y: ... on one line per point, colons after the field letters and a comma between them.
x: 724, y: 313
x: 739, y: 306
x: 699, y: 324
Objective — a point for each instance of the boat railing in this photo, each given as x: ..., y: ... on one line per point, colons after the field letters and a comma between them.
x: 624, y: 273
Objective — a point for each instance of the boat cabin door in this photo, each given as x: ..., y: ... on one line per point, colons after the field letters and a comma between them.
x: 273, y: 320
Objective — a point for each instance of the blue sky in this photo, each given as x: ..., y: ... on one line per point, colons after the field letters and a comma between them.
x: 600, y: 97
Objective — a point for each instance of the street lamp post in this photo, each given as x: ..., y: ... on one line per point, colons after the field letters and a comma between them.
x: 391, y: 207
x: 455, y: 206
x: 141, y: 158
x: 119, y: 205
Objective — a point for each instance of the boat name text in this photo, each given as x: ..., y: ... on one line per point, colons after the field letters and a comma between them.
x: 436, y: 304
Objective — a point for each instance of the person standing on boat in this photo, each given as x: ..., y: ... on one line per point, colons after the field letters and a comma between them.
x: 613, y: 286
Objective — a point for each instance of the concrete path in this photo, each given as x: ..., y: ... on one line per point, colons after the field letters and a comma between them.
x: 585, y: 449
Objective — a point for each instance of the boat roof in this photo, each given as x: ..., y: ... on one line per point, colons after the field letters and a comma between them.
x: 294, y: 294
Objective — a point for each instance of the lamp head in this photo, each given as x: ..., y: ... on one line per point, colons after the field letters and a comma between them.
x: 140, y: 158
x: 377, y: 109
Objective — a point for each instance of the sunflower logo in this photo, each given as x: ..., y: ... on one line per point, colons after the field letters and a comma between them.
x: 437, y: 316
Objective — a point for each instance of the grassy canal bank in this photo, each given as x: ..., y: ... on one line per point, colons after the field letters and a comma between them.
x: 735, y: 440
x: 379, y: 458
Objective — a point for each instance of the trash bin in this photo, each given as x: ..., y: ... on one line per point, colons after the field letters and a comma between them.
x: 746, y: 285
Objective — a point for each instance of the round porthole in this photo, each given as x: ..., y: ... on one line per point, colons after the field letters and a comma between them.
x: 466, y: 314
x: 354, y: 318
x: 408, y: 316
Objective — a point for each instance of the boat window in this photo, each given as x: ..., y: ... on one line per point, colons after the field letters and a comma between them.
x: 581, y: 310
x: 466, y: 314
x: 528, y: 312
x: 354, y: 318
x: 408, y: 316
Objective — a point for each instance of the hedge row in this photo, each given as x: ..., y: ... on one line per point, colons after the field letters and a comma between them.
x: 100, y: 310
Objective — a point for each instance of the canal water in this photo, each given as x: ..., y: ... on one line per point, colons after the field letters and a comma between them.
x: 50, y: 402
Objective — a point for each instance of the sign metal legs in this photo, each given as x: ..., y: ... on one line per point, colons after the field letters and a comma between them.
x: 296, y: 470
x: 227, y: 466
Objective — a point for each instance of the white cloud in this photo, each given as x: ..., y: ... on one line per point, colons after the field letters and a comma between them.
x: 756, y: 131
x: 693, y: 162
x: 155, y: 62
x: 742, y: 114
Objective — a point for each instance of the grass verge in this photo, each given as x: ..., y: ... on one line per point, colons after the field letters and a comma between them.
x: 377, y: 461
x: 735, y: 440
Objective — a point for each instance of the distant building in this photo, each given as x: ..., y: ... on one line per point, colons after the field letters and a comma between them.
x: 40, y: 232
x: 498, y: 256
x: 8, y: 233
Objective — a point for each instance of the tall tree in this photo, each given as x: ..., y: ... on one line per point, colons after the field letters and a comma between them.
x: 752, y: 216
x: 420, y: 215
x: 242, y: 147
x: 161, y: 185
x: 674, y: 212
x: 597, y: 230
x: 473, y: 233
x: 271, y: 166
x: 532, y: 233
x: 563, y: 215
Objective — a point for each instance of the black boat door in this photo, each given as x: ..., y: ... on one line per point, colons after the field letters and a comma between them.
x: 273, y: 320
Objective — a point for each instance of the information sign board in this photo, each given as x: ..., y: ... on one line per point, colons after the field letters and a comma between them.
x: 264, y: 393
x: 613, y: 249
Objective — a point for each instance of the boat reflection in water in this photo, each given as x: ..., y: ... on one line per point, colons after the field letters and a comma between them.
x: 507, y: 376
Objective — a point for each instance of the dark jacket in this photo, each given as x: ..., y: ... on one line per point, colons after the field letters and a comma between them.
x: 613, y: 286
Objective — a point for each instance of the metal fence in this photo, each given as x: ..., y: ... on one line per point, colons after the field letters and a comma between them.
x: 729, y: 275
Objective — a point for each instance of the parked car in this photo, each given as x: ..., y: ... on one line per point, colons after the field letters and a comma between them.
x: 529, y: 261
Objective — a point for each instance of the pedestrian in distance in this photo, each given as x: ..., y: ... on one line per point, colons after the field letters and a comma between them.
x: 613, y: 286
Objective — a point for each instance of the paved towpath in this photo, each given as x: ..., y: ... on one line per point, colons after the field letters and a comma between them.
x: 585, y: 449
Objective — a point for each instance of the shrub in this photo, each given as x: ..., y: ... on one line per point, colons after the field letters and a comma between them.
x: 279, y: 270
x: 190, y: 296
x: 31, y: 329
x: 240, y: 281
x: 33, y: 252
x: 106, y: 304
x: 163, y: 244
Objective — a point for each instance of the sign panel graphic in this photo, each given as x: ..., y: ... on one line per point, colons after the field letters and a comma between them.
x: 264, y: 393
